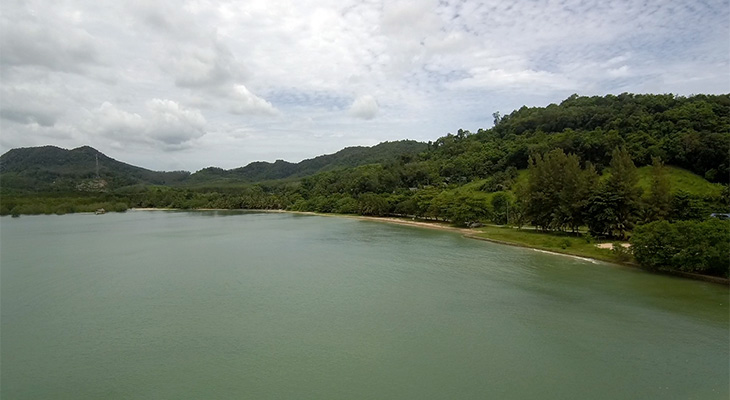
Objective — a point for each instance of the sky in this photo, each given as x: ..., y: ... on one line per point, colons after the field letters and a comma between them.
x: 183, y: 85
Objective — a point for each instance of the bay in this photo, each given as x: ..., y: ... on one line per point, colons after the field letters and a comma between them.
x: 191, y: 305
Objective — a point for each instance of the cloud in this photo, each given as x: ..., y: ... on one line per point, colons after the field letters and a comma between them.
x: 214, y: 73
x: 30, y: 104
x: 364, y: 107
x: 621, y: 71
x: 516, y: 79
x: 173, y: 124
x: 245, y: 102
x: 34, y: 134
x: 164, y: 123
x: 298, y: 78
x: 55, y: 42
x: 407, y: 27
x: 167, y: 17
x: 200, y: 62
x: 205, y: 67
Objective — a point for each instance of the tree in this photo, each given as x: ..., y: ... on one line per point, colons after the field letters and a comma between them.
x: 658, y: 202
x: 501, y: 205
x: 544, y: 184
x: 372, y: 204
x: 519, y: 209
x: 346, y: 205
x: 655, y: 244
x: 558, y: 190
x: 463, y: 210
x: 614, y: 206
x: 685, y: 206
x: 439, y: 206
x: 690, y: 246
x: 578, y: 185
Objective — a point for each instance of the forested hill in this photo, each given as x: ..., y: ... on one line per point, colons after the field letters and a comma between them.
x: 348, y: 157
x: 689, y: 132
x: 50, y: 168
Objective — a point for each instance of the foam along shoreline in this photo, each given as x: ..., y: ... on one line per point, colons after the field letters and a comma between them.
x: 593, y: 260
x: 207, y: 209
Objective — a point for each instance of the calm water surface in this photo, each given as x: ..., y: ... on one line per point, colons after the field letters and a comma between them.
x: 216, y: 305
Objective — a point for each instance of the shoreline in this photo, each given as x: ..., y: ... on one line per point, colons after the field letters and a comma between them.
x: 466, y: 233
x: 471, y: 234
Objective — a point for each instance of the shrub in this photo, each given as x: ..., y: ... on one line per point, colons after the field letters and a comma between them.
x: 690, y: 246
x: 622, y: 254
x: 589, y: 238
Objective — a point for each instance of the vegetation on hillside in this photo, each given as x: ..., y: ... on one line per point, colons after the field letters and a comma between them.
x: 347, y: 157
x: 52, y: 169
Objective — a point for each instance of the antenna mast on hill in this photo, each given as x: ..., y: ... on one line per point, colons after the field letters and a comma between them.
x: 97, y: 165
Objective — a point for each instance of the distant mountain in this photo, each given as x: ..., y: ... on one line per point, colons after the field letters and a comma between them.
x: 53, y: 169
x: 347, y: 157
x: 50, y: 168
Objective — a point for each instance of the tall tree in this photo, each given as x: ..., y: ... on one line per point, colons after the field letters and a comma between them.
x: 615, y: 204
x: 578, y: 185
x: 685, y: 206
x: 558, y: 191
x: 501, y: 205
x: 543, y: 189
x: 658, y: 202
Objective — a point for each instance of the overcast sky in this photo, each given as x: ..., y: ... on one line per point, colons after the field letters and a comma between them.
x: 171, y: 85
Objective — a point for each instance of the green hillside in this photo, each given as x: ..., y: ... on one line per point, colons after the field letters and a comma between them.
x: 50, y: 168
x: 680, y: 180
x: 53, y: 169
x: 348, y: 157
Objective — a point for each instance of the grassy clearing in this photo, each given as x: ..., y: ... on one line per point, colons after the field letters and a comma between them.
x: 681, y: 179
x: 556, y: 242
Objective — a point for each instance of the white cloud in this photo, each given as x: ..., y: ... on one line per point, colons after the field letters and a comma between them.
x: 165, y: 124
x: 526, y: 80
x: 245, y: 102
x: 117, y: 124
x: 205, y: 67
x: 364, y: 107
x: 30, y: 104
x: 173, y: 124
x: 31, y: 37
x: 293, y: 79
x: 621, y: 71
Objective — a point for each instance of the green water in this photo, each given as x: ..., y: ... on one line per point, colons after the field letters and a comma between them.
x: 214, y: 305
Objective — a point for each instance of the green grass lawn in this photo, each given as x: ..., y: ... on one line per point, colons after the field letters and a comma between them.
x: 556, y: 242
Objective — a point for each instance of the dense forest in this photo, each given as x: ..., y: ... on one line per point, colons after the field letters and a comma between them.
x: 601, y: 166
